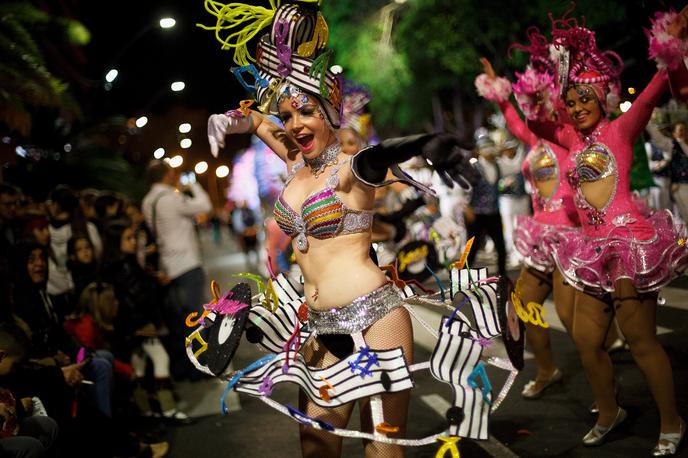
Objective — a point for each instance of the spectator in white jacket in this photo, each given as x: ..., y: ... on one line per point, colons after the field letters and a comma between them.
x: 170, y: 216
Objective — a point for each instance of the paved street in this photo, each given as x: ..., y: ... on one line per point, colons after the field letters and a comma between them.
x: 549, y: 427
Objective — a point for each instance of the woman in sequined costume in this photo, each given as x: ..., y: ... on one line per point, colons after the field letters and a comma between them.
x: 618, y: 251
x: 534, y: 237
x: 326, y: 208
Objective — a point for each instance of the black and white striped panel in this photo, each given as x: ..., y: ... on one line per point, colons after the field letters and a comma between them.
x: 268, y: 62
x: 454, y: 358
x: 484, y: 306
x: 476, y: 413
x: 301, y: 23
x: 277, y: 327
x: 456, y: 353
x: 408, y: 291
x: 460, y: 280
x: 348, y: 386
x: 285, y: 290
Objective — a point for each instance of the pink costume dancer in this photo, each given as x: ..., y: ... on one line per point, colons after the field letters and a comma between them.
x: 555, y: 214
x: 618, y: 250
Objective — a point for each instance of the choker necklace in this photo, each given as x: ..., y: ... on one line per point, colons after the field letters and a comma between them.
x: 328, y: 157
x: 592, y: 137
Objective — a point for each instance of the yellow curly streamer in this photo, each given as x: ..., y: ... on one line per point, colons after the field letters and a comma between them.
x: 451, y: 445
x: 534, y: 313
x: 197, y: 337
x: 232, y: 15
x: 271, y: 302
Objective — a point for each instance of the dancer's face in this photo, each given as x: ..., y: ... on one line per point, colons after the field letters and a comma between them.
x: 351, y: 142
x: 583, y: 107
x: 305, y: 124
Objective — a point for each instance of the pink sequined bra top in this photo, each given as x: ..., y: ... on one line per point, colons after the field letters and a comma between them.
x: 543, y: 163
x: 593, y: 162
x: 323, y: 215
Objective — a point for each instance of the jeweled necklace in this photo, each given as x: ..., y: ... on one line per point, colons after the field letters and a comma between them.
x: 592, y: 137
x: 328, y: 157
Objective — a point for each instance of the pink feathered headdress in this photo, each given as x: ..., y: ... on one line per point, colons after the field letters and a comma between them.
x: 536, y: 90
x: 582, y: 62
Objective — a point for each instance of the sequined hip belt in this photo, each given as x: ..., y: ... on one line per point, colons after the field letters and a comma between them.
x: 358, y: 315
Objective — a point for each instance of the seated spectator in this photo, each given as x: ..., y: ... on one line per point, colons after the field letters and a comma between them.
x: 146, y: 249
x: 139, y: 316
x: 26, y: 430
x: 108, y: 208
x: 50, y: 343
x: 81, y: 263
x: 9, y: 201
x: 66, y: 220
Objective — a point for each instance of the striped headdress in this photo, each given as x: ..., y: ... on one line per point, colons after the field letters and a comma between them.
x: 292, y: 55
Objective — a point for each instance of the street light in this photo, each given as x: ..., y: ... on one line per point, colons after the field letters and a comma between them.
x: 111, y: 75
x: 164, y: 23
x: 185, y: 143
x: 159, y: 153
x: 178, y: 86
x: 222, y: 171
x: 201, y: 167
x: 185, y: 128
x: 167, y: 22
x: 625, y: 106
x: 176, y: 161
x: 142, y: 121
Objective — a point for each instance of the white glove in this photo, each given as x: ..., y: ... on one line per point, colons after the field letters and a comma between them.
x: 221, y: 125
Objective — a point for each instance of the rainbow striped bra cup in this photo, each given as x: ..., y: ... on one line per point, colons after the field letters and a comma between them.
x: 323, y: 215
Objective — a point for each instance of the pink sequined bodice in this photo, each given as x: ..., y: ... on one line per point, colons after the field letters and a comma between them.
x: 608, y: 151
x: 544, y: 161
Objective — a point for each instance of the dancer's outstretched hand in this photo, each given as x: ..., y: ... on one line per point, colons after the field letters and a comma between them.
x: 450, y: 157
x: 221, y: 125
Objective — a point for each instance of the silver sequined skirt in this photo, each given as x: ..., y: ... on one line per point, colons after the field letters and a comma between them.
x: 359, y: 314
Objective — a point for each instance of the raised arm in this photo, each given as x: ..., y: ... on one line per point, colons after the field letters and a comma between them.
x: 516, y: 125
x: 236, y: 122
x: 550, y: 131
x: 635, y: 119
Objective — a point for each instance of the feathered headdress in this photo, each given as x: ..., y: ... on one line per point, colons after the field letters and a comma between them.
x: 536, y: 89
x: 581, y: 62
x: 292, y: 57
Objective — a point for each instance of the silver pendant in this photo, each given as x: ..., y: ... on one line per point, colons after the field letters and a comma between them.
x: 301, y: 242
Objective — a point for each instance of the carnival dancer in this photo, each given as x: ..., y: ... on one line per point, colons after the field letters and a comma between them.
x: 619, y: 251
x: 554, y: 211
x: 326, y: 207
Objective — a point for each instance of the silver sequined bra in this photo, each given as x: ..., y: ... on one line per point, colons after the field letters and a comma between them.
x: 358, y: 315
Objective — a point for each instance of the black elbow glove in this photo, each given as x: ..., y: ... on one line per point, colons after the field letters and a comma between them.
x: 449, y: 157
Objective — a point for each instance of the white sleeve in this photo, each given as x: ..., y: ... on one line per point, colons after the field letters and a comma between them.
x: 199, y: 203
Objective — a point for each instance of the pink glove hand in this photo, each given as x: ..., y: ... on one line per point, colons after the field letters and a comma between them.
x: 221, y: 125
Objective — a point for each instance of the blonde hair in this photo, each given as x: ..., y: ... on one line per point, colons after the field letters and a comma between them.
x: 99, y: 300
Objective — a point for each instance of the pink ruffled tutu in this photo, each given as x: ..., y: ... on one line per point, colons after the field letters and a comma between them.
x: 594, y: 265
x: 537, y: 241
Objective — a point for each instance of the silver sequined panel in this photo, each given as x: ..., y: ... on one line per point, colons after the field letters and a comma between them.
x: 358, y: 315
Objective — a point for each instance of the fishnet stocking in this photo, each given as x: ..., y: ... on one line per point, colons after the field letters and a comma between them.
x: 591, y: 320
x: 391, y: 331
x: 636, y: 315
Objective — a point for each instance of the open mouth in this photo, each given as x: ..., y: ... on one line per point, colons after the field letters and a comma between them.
x: 305, y: 142
x: 581, y: 118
